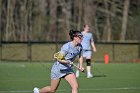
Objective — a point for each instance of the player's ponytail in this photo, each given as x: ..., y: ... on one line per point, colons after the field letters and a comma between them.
x: 71, y: 34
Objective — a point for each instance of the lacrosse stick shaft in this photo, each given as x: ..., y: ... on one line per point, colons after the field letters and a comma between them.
x: 78, y: 68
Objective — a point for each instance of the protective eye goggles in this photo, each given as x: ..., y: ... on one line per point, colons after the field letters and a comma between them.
x: 80, y: 36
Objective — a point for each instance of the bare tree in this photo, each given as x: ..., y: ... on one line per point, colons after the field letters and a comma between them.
x: 0, y: 20
x: 30, y: 21
x: 42, y: 19
x: 23, y: 18
x: 79, y: 4
x: 10, y: 29
x: 90, y: 9
x: 88, y: 12
x: 38, y: 19
x: 107, y: 27
x: 53, y: 19
x: 65, y: 18
x: 124, y: 20
x: 68, y: 15
x: 8, y: 19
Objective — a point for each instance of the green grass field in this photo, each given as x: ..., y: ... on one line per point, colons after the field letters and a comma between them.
x: 110, y: 78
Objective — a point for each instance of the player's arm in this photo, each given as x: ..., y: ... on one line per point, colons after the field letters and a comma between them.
x: 63, y: 61
x: 81, y: 63
x: 81, y: 60
x: 93, y: 45
x: 60, y: 57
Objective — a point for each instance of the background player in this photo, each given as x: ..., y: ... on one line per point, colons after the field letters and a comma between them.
x: 88, y: 46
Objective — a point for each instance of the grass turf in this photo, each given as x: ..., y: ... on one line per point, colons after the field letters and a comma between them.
x: 111, y: 78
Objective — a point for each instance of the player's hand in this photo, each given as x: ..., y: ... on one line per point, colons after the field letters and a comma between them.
x: 81, y: 68
x: 94, y: 50
x: 70, y: 63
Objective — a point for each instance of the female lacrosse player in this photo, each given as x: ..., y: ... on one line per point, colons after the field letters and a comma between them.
x: 62, y: 68
x: 88, y: 45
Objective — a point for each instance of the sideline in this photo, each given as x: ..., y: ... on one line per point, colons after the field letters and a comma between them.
x: 95, y: 89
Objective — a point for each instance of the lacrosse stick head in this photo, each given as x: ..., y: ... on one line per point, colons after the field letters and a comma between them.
x: 58, y: 56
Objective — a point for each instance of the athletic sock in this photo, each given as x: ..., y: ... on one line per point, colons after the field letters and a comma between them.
x: 77, y: 73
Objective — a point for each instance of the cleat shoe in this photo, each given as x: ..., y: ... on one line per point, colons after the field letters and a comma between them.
x: 89, y: 76
x: 36, y: 90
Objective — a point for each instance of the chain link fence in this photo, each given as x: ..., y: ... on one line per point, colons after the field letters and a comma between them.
x: 43, y: 51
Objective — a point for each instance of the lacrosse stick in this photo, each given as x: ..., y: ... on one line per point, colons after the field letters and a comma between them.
x: 82, y: 70
x: 59, y: 56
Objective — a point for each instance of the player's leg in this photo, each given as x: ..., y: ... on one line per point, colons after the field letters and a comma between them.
x: 52, y: 88
x: 88, y: 62
x: 71, y: 79
x: 89, y: 74
x: 77, y: 71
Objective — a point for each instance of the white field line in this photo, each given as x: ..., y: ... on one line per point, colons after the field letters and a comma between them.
x: 94, y: 89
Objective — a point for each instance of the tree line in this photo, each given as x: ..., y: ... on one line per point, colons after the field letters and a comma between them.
x: 51, y: 20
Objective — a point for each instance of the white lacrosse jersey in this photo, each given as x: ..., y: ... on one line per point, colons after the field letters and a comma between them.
x: 86, y: 42
x: 69, y: 51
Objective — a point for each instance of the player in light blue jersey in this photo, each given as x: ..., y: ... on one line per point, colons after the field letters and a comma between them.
x: 88, y: 46
x: 62, y: 68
